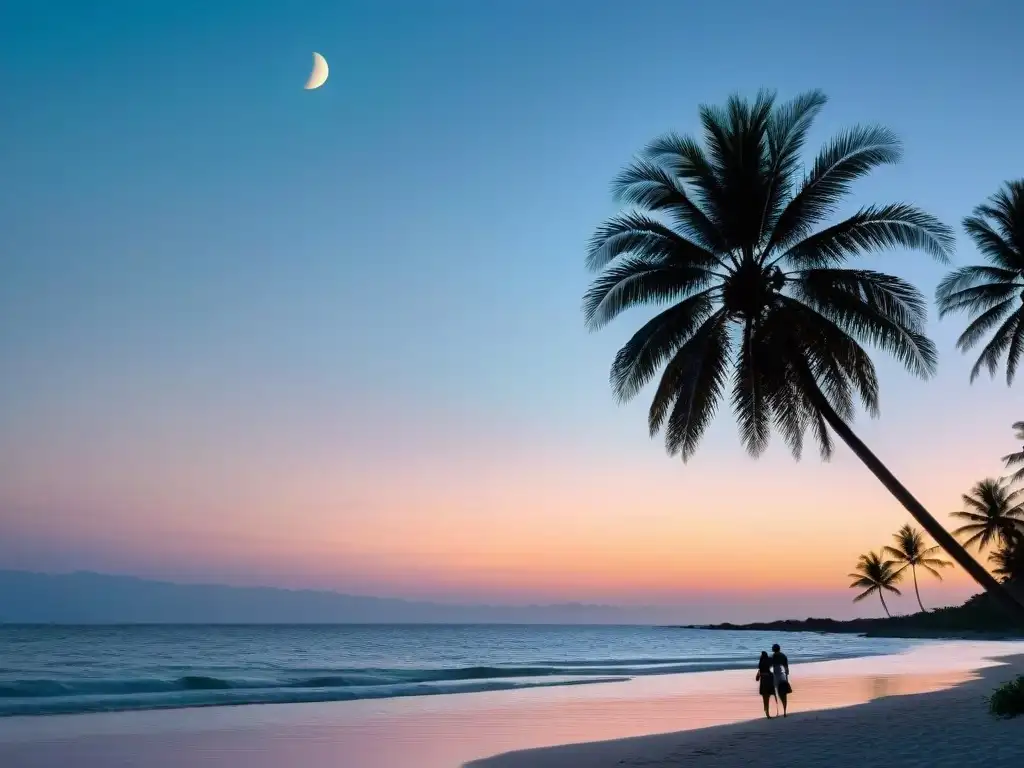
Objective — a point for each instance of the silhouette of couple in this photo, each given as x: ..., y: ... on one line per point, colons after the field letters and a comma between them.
x: 773, y: 674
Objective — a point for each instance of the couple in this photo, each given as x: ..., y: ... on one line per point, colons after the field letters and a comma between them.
x: 773, y: 673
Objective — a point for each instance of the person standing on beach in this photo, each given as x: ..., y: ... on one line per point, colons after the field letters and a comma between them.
x: 780, y: 676
x: 765, y: 677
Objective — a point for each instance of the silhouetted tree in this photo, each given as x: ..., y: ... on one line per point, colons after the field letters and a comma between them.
x: 1016, y: 459
x: 873, y: 574
x: 911, y: 551
x: 761, y: 298
x: 1009, y: 560
x: 992, y: 294
x: 993, y: 512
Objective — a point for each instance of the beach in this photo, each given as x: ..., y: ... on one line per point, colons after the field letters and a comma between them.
x: 943, y: 728
x: 914, y: 698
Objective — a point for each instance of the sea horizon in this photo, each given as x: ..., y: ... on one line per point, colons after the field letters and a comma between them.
x: 95, y: 598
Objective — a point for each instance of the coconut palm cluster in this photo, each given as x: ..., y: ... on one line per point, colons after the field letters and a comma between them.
x: 763, y: 301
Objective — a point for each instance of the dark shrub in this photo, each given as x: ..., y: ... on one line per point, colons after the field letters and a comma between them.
x: 1008, y: 699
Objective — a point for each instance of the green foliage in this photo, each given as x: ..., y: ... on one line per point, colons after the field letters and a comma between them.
x: 1008, y: 699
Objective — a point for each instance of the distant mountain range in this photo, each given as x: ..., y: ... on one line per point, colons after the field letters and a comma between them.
x: 93, y: 598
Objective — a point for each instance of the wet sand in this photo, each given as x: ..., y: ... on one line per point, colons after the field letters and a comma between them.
x: 449, y: 731
x: 950, y: 727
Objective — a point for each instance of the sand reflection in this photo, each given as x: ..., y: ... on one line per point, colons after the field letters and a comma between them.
x: 447, y: 731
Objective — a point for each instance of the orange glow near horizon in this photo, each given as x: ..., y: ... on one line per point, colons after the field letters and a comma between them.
x: 524, y: 524
x: 251, y: 334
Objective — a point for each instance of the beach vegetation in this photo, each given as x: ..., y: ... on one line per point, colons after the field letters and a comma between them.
x: 992, y: 294
x: 1008, y: 699
x: 1015, y: 461
x: 876, y: 576
x: 993, y: 514
x: 765, y: 302
x: 1008, y: 561
x: 912, y: 551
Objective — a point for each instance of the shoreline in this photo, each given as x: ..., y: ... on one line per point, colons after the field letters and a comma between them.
x: 138, y: 689
x: 978, y: 618
x: 893, y: 633
x: 906, y: 728
x: 450, y: 731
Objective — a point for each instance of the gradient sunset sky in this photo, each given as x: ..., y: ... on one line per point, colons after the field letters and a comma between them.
x: 257, y: 335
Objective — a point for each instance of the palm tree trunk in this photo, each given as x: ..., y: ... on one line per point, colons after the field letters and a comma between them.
x: 913, y: 570
x: 886, y: 607
x: 934, y: 528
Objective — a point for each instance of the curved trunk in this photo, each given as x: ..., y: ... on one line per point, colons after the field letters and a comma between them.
x: 913, y: 570
x: 882, y: 598
x: 934, y: 528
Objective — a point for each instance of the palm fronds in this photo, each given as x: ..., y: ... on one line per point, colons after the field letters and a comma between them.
x: 992, y: 513
x: 992, y: 294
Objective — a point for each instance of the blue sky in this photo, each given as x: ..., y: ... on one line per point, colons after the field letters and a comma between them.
x: 202, y: 260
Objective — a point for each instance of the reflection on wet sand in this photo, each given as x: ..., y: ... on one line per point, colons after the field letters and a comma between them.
x: 446, y: 731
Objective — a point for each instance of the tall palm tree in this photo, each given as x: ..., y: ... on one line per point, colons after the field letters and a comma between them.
x: 873, y: 574
x: 992, y: 294
x: 994, y: 514
x: 733, y: 237
x: 910, y: 551
x: 1016, y: 459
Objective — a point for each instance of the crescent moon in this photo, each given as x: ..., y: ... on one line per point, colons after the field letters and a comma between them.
x: 319, y: 74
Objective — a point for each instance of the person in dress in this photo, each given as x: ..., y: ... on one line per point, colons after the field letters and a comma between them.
x: 766, y: 679
x: 780, y: 676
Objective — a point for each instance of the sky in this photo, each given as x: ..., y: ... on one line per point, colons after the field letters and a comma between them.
x: 253, y: 334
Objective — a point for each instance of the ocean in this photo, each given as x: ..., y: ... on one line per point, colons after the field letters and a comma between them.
x: 47, y: 670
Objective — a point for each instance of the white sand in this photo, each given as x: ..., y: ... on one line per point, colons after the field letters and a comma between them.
x: 944, y: 728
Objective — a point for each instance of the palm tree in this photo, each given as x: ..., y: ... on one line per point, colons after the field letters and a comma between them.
x: 910, y: 551
x: 873, y: 574
x: 1016, y: 459
x: 992, y: 294
x: 733, y: 237
x: 1009, y: 560
x: 993, y: 512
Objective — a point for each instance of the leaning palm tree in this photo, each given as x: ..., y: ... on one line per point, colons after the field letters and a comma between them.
x: 873, y: 574
x: 993, y: 513
x: 991, y: 294
x: 1013, y: 460
x: 762, y: 302
x: 911, y: 551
